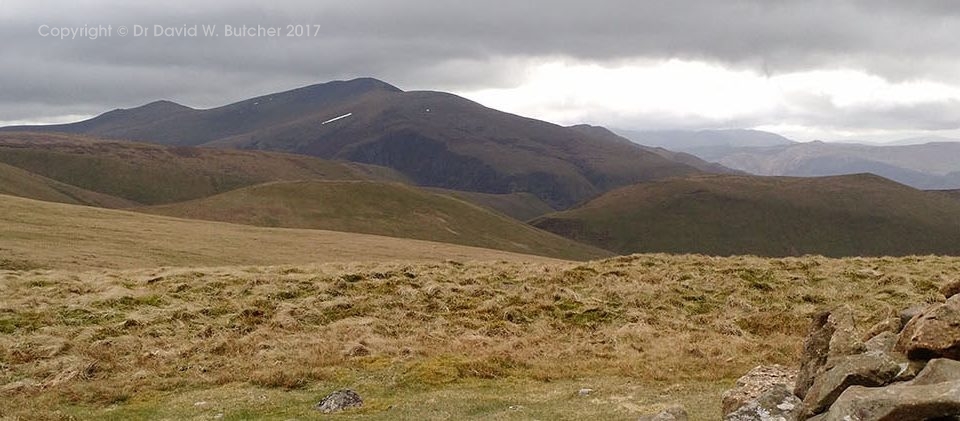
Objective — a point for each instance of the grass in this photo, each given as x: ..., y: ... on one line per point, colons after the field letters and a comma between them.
x: 35, y: 234
x: 838, y: 216
x: 443, y: 340
x: 390, y: 209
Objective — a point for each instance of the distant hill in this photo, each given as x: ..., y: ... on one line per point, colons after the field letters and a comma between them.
x: 152, y: 174
x: 689, y: 141
x: 769, y: 216
x: 926, y: 166
x: 390, y: 209
x: 433, y: 138
x: 681, y: 157
x: 36, y: 234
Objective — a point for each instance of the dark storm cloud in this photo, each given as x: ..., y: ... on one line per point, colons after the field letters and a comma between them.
x: 454, y: 45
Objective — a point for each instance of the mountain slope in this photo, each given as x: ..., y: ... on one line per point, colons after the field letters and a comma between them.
x: 54, y: 235
x: 435, y: 139
x: 17, y: 182
x: 376, y: 208
x: 690, y: 141
x: 519, y: 206
x: 151, y: 174
x: 771, y: 216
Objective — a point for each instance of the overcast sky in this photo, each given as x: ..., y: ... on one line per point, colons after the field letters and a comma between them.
x: 830, y: 69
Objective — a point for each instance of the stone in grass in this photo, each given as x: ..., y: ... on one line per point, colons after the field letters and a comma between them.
x: 674, y: 413
x: 338, y: 401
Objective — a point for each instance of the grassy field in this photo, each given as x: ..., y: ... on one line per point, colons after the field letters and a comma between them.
x: 35, y: 234
x: 442, y: 340
x: 391, y: 209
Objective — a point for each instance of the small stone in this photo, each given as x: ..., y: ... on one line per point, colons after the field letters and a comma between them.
x: 776, y: 404
x: 674, y: 413
x: 755, y: 383
x: 584, y: 392
x: 884, y: 341
x: 891, y: 324
x: 338, y: 401
x: 909, y: 313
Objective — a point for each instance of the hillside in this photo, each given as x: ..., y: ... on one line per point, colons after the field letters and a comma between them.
x: 924, y: 166
x: 519, y: 206
x: 36, y: 234
x: 152, y: 174
x: 376, y: 208
x: 435, y: 139
x: 770, y: 216
x: 17, y: 182
x: 695, y: 141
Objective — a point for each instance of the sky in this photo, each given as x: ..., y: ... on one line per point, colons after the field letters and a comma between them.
x: 871, y: 70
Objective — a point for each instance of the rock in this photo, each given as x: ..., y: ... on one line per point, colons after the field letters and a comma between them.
x: 755, y: 383
x: 892, y: 325
x: 831, y: 336
x: 950, y: 288
x: 869, y: 369
x: 899, y: 402
x: 884, y: 341
x: 674, y: 413
x: 909, y: 313
x: 338, y: 401
x: 908, y: 369
x: 776, y: 404
x: 584, y: 392
x: 934, y: 333
x: 936, y: 371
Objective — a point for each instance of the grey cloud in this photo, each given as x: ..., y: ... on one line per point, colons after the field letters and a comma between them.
x: 454, y: 45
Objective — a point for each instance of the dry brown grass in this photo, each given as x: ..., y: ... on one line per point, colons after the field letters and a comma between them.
x: 132, y: 343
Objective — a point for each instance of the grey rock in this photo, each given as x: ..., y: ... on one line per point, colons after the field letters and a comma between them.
x: 909, y: 313
x: 338, y: 401
x: 891, y: 324
x: 831, y: 335
x: 934, y: 333
x: 674, y: 413
x: 869, y: 369
x: 776, y: 404
x: 940, y: 370
x: 755, y: 383
x: 884, y: 341
x: 899, y: 402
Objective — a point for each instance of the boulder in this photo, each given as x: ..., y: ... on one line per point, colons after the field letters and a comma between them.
x: 674, y: 413
x: 950, y: 288
x: 755, y: 383
x: 884, y: 341
x: 899, y: 402
x: 934, y: 333
x: 831, y: 335
x: 891, y: 324
x: 909, y: 313
x: 338, y: 401
x: 776, y: 404
x: 940, y: 370
x: 869, y: 369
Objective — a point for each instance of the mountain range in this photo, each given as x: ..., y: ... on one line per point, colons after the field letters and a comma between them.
x: 365, y: 157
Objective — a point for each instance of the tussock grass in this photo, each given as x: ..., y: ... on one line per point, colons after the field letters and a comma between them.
x: 464, y: 339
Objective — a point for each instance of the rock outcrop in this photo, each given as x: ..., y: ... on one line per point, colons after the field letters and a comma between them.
x: 933, y: 333
x: 338, y: 401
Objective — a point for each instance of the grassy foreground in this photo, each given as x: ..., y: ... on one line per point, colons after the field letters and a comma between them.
x: 451, y: 340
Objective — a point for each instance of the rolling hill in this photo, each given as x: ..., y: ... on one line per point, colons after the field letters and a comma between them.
x: 152, y: 174
x: 519, y: 206
x: 389, y: 209
x: 433, y: 138
x: 17, y: 182
x: 770, y: 216
x: 37, y: 234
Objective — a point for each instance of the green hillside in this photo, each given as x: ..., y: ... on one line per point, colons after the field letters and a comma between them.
x: 17, y: 182
x: 390, y: 209
x: 769, y: 216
